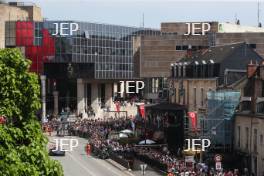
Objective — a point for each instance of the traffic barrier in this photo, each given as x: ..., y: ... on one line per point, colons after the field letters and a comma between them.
x: 122, y: 161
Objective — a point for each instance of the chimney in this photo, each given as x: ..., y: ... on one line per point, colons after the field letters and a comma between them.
x: 251, y: 69
x: 261, y: 70
x: 13, y: 3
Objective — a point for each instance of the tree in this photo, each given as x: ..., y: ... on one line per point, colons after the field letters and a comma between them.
x: 23, y: 146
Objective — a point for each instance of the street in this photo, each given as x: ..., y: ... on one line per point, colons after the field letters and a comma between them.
x: 77, y: 163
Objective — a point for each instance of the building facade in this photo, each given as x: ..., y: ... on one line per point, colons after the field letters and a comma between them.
x: 249, y: 121
x: 215, y: 68
x: 16, y: 11
x: 83, y: 62
x: 154, y: 54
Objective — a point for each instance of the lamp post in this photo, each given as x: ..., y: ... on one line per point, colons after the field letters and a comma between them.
x: 43, y: 97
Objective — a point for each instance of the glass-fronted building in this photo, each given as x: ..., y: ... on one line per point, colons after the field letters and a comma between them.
x: 106, y: 49
x: 218, y: 124
x: 76, y: 55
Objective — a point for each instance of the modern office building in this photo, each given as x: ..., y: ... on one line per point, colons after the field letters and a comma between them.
x: 83, y: 62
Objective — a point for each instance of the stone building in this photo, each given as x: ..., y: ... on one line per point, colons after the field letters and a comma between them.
x: 208, y: 70
x: 17, y: 11
x: 154, y: 54
x: 249, y: 121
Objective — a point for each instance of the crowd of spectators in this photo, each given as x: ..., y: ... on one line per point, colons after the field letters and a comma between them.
x: 97, y: 132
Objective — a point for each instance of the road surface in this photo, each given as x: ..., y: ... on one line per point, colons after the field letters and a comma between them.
x: 77, y: 163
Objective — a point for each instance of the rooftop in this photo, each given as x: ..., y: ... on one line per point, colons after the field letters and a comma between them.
x: 216, y: 54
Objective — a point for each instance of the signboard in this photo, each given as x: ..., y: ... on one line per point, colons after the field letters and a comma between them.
x: 189, y: 159
x: 142, y: 110
x: 218, y: 165
x: 213, y: 130
x: 143, y: 168
x: 193, y: 117
x: 117, y: 106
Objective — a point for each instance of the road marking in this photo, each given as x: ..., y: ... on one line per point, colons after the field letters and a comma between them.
x: 102, y: 163
x: 82, y: 165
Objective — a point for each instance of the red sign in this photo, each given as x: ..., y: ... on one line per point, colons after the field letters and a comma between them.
x: 193, y: 117
x: 142, y: 110
x: 117, y: 106
x: 218, y: 166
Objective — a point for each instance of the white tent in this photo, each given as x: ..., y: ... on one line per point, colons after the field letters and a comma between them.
x: 147, y: 141
x: 127, y: 131
x: 123, y: 135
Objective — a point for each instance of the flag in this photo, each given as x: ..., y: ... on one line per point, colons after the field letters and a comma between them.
x: 193, y: 118
x: 117, y: 106
x: 142, y: 110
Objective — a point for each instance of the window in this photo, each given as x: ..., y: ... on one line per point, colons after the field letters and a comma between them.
x: 176, y: 95
x: 194, y: 97
x: 181, y: 47
x: 255, y: 140
x: 253, y: 46
x: 245, y: 105
x: 261, y: 140
x: 184, y: 71
x: 179, y: 71
x: 185, y: 47
x: 260, y: 107
x: 238, y: 136
x: 176, y: 71
x: 178, y: 47
x: 247, y: 138
x: 202, y: 97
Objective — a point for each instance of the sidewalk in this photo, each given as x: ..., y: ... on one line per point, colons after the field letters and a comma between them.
x: 136, y: 169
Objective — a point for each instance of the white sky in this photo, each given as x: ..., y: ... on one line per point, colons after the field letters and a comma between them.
x: 130, y: 12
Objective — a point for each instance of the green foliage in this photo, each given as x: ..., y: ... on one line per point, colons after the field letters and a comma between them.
x: 23, y: 149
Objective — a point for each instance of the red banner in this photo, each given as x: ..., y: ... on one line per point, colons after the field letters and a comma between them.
x: 193, y: 117
x: 142, y: 110
x: 117, y: 106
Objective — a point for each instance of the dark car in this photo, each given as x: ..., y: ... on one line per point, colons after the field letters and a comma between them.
x: 58, y: 152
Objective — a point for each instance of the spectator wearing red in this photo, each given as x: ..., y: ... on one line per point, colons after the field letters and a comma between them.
x: 88, y: 149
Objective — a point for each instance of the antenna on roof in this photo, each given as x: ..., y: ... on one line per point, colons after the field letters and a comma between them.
x: 259, y: 23
x: 237, y: 21
x: 143, y: 20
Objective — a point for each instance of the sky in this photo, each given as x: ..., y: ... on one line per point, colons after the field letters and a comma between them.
x: 130, y: 12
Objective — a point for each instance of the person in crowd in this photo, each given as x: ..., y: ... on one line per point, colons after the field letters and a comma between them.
x: 100, y: 143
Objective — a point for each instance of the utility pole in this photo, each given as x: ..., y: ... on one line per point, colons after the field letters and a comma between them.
x: 258, y: 13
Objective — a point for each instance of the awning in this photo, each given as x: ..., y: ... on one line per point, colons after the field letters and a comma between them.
x: 166, y: 107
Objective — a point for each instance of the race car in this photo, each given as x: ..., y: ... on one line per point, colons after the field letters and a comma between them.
x: 56, y: 152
